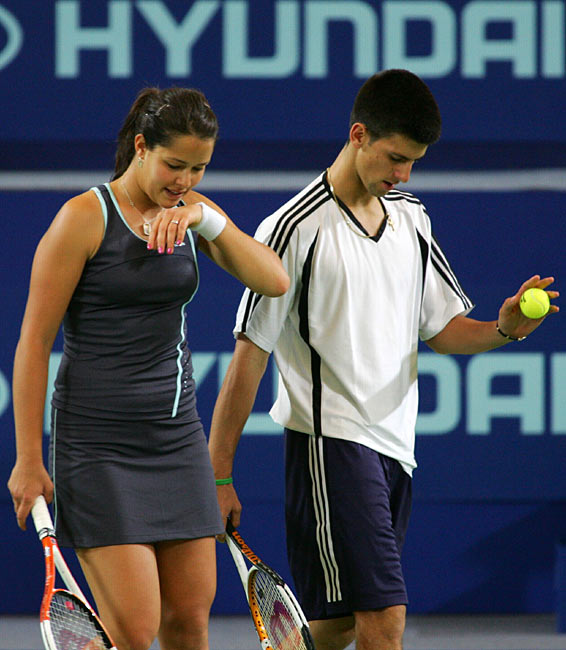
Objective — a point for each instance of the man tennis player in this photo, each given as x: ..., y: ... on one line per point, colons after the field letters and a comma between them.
x: 367, y: 281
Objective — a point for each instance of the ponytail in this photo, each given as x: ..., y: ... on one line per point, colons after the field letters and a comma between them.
x: 161, y: 115
x: 125, y: 150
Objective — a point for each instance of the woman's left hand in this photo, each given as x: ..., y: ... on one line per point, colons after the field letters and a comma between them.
x: 170, y: 227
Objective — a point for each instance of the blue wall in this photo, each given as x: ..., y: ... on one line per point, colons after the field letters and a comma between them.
x: 281, y: 73
x: 490, y: 492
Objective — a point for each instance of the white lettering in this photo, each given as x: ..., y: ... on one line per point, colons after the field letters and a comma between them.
x: 552, y: 39
x: 462, y: 37
x: 446, y: 416
x: 14, y: 37
x: 440, y: 16
x: 558, y: 393
x: 71, y: 38
x: 258, y: 422
x: 4, y: 394
x: 481, y: 406
x: 527, y: 404
x: 478, y: 49
x: 236, y: 60
x: 203, y: 362
x: 178, y: 40
x: 364, y: 23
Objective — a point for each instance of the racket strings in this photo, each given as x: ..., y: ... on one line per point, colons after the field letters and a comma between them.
x: 275, y: 610
x: 73, y: 626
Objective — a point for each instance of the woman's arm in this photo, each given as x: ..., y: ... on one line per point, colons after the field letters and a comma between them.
x: 253, y: 263
x: 59, y: 260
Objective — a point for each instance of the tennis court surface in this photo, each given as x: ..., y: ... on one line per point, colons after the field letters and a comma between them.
x: 536, y: 632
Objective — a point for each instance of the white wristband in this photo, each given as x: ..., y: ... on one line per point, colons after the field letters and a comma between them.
x: 211, y: 224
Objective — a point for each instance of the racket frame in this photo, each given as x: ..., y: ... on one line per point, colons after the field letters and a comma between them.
x: 54, y: 560
x: 239, y: 549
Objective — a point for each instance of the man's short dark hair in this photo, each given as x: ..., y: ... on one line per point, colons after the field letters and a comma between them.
x: 397, y: 101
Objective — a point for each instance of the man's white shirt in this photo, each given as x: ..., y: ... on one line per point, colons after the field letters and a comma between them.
x: 345, y: 335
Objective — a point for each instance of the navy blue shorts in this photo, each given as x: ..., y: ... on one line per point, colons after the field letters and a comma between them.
x: 347, y: 509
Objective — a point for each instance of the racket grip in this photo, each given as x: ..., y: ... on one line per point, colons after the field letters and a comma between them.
x: 41, y: 517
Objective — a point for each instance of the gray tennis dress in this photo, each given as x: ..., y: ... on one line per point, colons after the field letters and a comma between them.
x: 128, y: 454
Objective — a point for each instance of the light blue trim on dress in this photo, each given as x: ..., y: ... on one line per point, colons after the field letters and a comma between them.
x: 117, y: 206
x: 102, y: 205
x: 183, y: 317
x: 188, y: 236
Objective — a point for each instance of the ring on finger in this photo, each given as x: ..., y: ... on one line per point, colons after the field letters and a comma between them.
x: 174, y: 221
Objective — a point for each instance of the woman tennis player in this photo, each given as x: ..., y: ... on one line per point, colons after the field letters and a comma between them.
x: 129, y: 472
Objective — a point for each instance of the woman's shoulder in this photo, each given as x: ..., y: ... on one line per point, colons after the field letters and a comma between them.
x: 80, y: 219
x: 81, y: 206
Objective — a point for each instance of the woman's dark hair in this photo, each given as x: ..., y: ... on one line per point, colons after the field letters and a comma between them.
x: 397, y: 101
x: 161, y: 115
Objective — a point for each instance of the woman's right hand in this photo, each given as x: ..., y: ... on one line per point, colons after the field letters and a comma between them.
x: 27, y: 481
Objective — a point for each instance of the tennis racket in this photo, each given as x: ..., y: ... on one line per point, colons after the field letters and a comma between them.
x: 277, y: 616
x: 66, y: 619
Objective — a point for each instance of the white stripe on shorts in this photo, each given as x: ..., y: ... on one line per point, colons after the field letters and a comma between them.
x: 322, y: 515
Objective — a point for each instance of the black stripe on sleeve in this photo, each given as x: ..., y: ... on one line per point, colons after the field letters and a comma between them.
x: 437, y: 257
x: 440, y: 263
x: 293, y: 217
x: 283, y: 231
x: 423, y: 245
x: 396, y: 195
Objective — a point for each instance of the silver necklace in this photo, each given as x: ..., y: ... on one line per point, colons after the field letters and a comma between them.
x: 146, y: 223
x: 347, y: 219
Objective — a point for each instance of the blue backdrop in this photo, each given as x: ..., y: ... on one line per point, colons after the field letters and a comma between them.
x: 490, y: 492
x: 281, y: 75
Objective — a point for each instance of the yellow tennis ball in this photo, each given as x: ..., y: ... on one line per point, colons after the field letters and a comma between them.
x: 535, y: 303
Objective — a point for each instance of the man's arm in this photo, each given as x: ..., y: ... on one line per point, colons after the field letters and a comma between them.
x: 463, y: 335
x: 233, y: 407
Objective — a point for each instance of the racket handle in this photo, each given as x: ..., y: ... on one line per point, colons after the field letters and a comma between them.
x: 41, y: 517
x: 44, y: 526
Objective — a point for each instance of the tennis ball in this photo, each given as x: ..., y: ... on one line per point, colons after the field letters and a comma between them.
x: 534, y: 303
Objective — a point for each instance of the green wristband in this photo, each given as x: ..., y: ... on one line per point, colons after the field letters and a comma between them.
x: 224, y: 481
